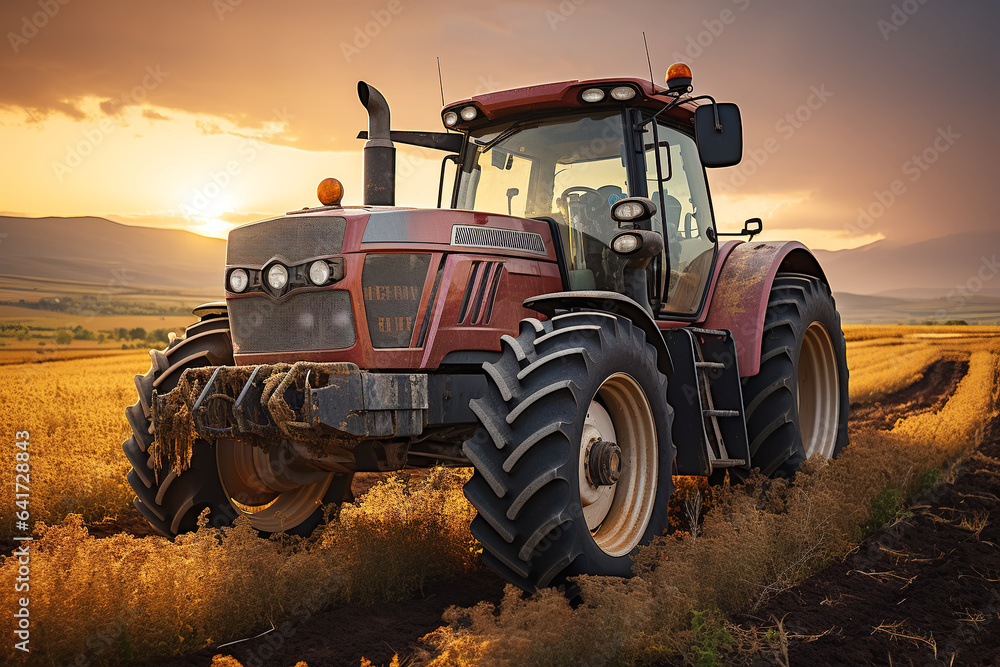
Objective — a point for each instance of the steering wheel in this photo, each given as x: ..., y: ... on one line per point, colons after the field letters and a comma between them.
x: 590, y: 198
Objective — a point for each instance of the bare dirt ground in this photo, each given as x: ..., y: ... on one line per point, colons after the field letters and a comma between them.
x: 924, y: 591
x: 928, y: 583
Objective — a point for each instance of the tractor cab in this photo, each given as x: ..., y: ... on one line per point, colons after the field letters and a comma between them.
x: 568, y: 152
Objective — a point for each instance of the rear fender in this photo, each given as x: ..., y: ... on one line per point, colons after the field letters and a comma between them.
x: 740, y: 295
x: 607, y: 302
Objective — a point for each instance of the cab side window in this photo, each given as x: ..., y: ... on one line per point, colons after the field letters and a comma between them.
x: 675, y: 181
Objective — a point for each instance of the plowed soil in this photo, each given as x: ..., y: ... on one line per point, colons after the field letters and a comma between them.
x: 925, y: 591
x: 928, y: 583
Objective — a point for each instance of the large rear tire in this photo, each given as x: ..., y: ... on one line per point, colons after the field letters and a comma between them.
x: 548, y: 505
x: 797, y: 404
x: 172, y: 501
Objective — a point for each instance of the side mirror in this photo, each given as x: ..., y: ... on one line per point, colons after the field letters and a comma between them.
x: 719, y: 132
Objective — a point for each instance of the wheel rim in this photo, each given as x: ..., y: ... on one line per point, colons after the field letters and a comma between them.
x: 818, y: 392
x: 273, y: 504
x: 617, y: 515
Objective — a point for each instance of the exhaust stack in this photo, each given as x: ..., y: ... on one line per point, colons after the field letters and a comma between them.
x: 380, y: 154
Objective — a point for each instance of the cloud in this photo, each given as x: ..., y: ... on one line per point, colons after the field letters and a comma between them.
x: 235, y: 68
x: 152, y: 114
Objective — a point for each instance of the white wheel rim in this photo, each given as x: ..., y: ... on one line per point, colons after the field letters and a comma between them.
x: 818, y: 392
x: 617, y: 515
x: 244, y: 476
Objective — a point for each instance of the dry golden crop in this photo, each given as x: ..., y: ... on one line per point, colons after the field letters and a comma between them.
x: 114, y: 599
x: 74, y: 413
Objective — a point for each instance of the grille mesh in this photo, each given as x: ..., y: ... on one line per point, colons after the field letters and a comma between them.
x: 501, y: 239
x: 392, y: 285
x: 308, y: 321
x: 296, y: 238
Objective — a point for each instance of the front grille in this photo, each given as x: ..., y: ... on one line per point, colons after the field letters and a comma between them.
x: 392, y: 284
x: 309, y: 321
x: 296, y: 239
x: 500, y: 239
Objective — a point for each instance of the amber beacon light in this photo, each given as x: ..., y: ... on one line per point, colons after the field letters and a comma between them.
x: 679, y: 78
x: 330, y: 192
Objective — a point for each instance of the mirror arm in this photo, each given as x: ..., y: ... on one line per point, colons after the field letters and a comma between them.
x: 746, y: 230
x: 676, y: 101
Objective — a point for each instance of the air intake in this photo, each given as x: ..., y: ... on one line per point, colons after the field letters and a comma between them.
x: 499, y: 239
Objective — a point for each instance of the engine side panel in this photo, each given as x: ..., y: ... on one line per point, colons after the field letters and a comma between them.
x: 741, y: 291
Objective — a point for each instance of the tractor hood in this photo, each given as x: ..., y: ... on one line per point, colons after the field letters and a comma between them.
x: 363, y: 284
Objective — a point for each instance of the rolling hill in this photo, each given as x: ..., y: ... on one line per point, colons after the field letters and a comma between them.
x: 952, y: 277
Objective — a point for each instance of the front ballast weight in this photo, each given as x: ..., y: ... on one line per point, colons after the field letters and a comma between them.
x: 333, y: 409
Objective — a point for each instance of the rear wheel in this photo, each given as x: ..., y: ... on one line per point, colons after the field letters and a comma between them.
x: 229, y: 479
x: 796, y: 405
x: 572, y: 454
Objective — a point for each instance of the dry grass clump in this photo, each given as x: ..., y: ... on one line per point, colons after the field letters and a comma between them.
x: 115, y: 599
x: 759, y: 539
x: 401, y: 534
x: 74, y: 411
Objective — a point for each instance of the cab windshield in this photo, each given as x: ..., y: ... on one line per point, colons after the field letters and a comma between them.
x: 570, y: 169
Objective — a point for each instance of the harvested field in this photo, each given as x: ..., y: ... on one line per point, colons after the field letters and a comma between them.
x: 113, y: 594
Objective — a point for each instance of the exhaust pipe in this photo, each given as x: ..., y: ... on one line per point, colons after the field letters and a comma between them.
x: 380, y: 154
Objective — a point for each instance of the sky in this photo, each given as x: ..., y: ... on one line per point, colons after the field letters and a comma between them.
x: 864, y: 120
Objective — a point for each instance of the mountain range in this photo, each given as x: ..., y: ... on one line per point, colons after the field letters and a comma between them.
x: 951, y: 277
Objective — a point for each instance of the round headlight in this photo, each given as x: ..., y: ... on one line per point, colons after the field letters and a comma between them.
x: 468, y: 113
x: 624, y: 244
x: 623, y: 93
x: 628, y: 211
x: 592, y: 95
x: 277, y: 276
x: 450, y: 118
x: 319, y: 272
x: 238, y: 280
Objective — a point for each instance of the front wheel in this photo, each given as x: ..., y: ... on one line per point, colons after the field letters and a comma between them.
x: 797, y: 403
x: 572, y: 454
x: 227, y: 478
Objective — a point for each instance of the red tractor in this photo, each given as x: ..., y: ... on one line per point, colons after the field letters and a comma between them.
x: 569, y: 325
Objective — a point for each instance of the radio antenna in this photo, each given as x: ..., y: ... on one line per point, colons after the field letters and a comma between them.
x: 648, y: 61
x: 440, y: 80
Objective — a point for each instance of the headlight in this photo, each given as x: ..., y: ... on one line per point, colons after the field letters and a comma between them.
x: 623, y: 92
x: 468, y: 113
x: 277, y: 276
x: 450, y: 118
x: 319, y: 272
x: 624, y: 244
x: 238, y: 280
x: 629, y: 211
x: 592, y: 95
